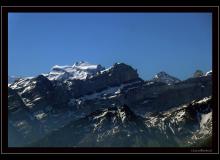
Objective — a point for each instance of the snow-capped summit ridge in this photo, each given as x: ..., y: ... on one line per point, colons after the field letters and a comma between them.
x: 81, y: 63
x: 60, y: 67
x: 208, y: 73
x: 79, y: 70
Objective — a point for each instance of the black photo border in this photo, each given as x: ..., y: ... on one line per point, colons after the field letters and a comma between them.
x: 120, y: 9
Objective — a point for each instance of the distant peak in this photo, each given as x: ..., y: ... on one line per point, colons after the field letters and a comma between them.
x: 41, y: 78
x: 161, y: 73
x: 164, y: 77
x: 198, y: 73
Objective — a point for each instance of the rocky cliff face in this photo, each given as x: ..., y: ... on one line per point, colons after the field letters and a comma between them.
x: 74, y: 95
x: 159, y: 97
x: 118, y: 74
x: 120, y: 127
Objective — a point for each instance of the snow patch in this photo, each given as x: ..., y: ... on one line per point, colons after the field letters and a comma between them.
x: 208, y: 73
x: 179, y: 116
x: 106, y: 70
x: 146, y: 101
x: 112, y: 96
x: 102, y: 115
x: 112, y: 92
x: 28, y: 88
x: 205, y: 118
x: 171, y: 129
x: 122, y: 114
x: 37, y: 99
x: 203, y: 100
x: 40, y: 116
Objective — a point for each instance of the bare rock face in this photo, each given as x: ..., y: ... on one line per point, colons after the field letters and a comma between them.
x: 198, y: 73
x: 116, y: 75
x: 165, y: 78
x: 118, y: 126
x: 123, y: 73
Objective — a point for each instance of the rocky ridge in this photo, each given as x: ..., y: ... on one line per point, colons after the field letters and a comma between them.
x: 45, y: 104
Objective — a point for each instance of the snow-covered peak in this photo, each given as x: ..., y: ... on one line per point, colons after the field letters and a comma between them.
x: 21, y: 82
x: 79, y: 70
x: 165, y: 78
x: 81, y: 63
x: 11, y: 79
x: 209, y: 73
x: 85, y: 65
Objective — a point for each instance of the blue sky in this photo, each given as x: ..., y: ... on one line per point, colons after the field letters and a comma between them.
x: 178, y: 43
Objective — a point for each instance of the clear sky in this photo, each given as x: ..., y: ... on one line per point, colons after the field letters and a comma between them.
x: 178, y: 43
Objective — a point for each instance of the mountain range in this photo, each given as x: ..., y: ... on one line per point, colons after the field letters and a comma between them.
x: 87, y: 105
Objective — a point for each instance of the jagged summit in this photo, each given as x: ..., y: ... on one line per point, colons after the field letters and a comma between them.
x: 79, y: 63
x: 12, y: 79
x: 79, y: 70
x: 85, y: 65
x: 84, y: 104
x: 165, y: 78
x: 84, y: 70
